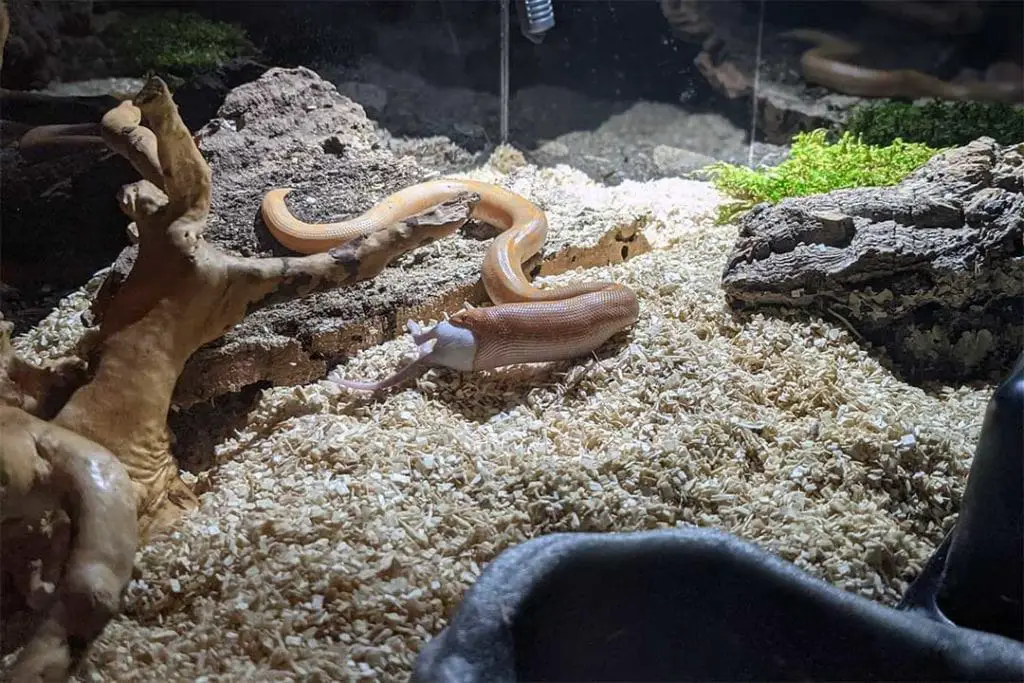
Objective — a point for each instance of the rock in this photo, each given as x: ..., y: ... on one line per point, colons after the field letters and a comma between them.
x: 436, y: 152
x: 113, y: 86
x: 931, y: 269
x: 636, y: 141
x: 675, y: 161
x: 198, y: 98
x: 41, y: 109
x: 75, y: 192
x: 202, y: 95
x: 60, y: 221
x: 407, y: 105
x: 53, y: 40
x: 290, y: 128
x: 787, y: 110
x: 552, y: 150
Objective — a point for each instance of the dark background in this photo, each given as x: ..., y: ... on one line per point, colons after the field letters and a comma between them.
x: 607, y: 48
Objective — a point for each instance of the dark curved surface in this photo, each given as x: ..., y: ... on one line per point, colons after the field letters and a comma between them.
x: 976, y: 577
x: 703, y: 605
x: 687, y: 605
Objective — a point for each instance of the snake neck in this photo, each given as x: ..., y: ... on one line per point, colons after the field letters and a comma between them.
x: 502, y: 272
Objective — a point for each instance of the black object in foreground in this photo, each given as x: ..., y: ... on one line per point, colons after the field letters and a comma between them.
x: 703, y: 605
x: 976, y: 576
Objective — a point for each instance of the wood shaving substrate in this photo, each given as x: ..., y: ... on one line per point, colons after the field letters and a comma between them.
x: 339, y: 532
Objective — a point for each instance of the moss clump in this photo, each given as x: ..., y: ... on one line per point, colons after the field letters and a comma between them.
x: 177, y: 43
x: 816, y: 166
x: 937, y: 123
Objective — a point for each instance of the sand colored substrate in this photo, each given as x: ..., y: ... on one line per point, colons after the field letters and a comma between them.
x: 337, y: 532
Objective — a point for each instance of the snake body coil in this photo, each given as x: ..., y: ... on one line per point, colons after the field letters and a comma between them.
x: 526, y: 325
x: 827, y: 64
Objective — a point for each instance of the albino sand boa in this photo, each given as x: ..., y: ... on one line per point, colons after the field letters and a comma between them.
x: 525, y: 325
x: 825, y: 64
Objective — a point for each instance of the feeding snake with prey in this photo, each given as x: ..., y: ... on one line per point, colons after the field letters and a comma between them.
x: 526, y: 324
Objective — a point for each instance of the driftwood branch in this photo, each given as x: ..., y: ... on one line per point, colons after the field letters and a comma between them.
x: 67, y: 519
x: 361, y: 259
x: 104, y: 459
x: 38, y: 390
x: 170, y: 217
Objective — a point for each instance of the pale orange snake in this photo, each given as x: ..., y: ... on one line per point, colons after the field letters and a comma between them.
x: 826, y: 64
x: 525, y: 325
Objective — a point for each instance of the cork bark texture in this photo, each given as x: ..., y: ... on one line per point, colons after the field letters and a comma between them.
x: 931, y: 269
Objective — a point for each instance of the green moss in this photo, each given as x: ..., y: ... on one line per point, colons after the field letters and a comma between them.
x: 816, y: 166
x: 176, y: 43
x: 938, y: 123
